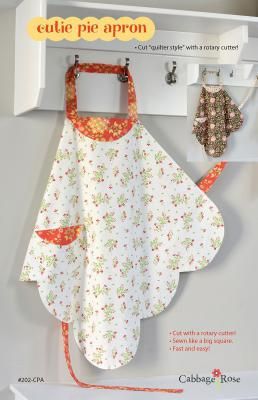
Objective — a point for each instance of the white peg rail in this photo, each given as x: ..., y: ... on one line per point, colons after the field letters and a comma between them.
x: 40, y: 66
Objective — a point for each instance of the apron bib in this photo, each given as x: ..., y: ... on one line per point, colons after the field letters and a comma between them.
x: 118, y: 223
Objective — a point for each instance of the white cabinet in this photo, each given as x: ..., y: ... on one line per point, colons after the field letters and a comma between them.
x: 40, y: 66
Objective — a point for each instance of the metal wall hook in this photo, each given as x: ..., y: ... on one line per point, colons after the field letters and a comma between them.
x: 205, y: 72
x: 124, y: 76
x: 76, y: 62
x: 171, y: 76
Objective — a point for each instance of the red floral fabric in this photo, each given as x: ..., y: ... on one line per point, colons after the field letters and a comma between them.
x: 99, y: 128
x: 60, y: 236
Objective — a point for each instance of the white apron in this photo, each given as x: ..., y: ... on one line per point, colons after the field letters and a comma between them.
x: 118, y: 223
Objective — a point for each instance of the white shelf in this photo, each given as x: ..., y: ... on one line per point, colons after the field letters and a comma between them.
x: 246, y: 389
x: 40, y: 66
x: 165, y: 19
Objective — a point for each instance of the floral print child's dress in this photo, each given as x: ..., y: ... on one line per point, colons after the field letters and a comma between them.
x: 216, y: 118
x: 118, y: 223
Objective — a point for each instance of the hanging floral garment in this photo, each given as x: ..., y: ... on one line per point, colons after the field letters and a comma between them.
x: 216, y: 118
x: 118, y: 223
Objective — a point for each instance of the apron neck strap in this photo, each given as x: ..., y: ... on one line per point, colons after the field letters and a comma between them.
x: 71, y: 95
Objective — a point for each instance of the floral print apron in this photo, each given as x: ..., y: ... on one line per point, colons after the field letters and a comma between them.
x: 119, y: 222
x: 216, y: 118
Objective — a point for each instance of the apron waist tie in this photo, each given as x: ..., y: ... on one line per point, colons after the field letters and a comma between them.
x: 205, y: 184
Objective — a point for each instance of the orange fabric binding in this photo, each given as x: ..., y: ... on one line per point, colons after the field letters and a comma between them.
x: 60, y: 236
x: 206, y: 183
x: 99, y: 128
x: 65, y: 332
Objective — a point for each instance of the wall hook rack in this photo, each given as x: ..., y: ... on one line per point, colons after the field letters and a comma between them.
x: 76, y: 62
x: 124, y: 77
x: 171, y: 76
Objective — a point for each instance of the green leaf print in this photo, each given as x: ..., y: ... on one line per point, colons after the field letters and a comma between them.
x: 98, y: 266
x: 173, y: 263
x: 216, y: 243
x: 162, y: 220
x: 121, y: 291
x: 75, y: 290
x: 126, y: 357
x: 217, y: 221
x: 109, y: 221
x: 177, y: 177
x: 139, y: 155
x: 137, y: 218
x: 122, y: 200
x: 147, y: 176
x: 49, y: 261
x: 200, y: 201
x: 67, y: 314
x: 158, y: 307
x: 203, y: 262
x: 100, y: 198
x: 98, y: 355
x: 112, y: 154
x: 111, y: 244
x: 71, y: 175
x: 127, y: 177
x: 126, y: 267
x: 99, y: 290
x: 52, y: 279
x: 80, y: 155
x: 65, y: 221
x: 87, y: 312
x: 98, y: 175
x: 171, y: 286
x: 62, y: 155
x: 88, y: 222
x: 155, y: 244
x: 160, y: 157
x: 110, y: 336
x: 136, y: 308
x: 44, y: 205
x: 82, y: 336
x: 179, y: 199
x: 143, y: 261
x: 147, y: 198
x: 74, y: 200
x: 144, y: 287
x: 51, y: 297
x: 137, y: 243
x: 136, y: 333
x: 109, y: 312
x: 138, y: 130
x: 26, y: 271
x: 70, y: 255
x: 187, y: 243
x: 187, y: 219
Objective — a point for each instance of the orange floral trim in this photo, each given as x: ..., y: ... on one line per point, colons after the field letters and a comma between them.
x: 60, y: 236
x: 99, y: 128
x: 65, y: 334
x: 206, y: 183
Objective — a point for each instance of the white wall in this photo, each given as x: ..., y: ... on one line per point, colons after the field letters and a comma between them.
x: 241, y: 7
x: 223, y: 296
